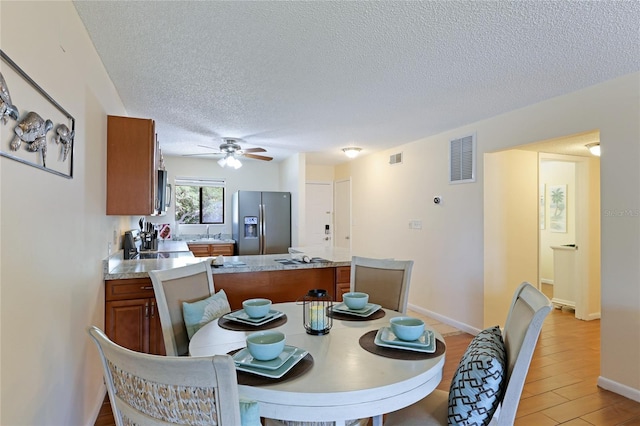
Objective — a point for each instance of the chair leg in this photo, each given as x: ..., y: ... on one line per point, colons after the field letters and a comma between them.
x: 377, y: 420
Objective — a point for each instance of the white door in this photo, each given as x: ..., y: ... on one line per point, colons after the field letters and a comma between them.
x: 319, y: 213
x: 343, y: 214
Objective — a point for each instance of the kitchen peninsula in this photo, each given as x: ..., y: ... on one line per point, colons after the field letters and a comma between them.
x: 131, y: 316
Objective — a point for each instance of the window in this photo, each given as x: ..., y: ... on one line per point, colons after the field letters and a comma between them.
x: 199, y: 200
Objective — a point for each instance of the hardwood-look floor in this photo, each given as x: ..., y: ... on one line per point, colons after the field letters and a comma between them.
x: 561, y: 384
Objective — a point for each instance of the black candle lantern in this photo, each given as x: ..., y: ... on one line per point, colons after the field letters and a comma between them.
x: 315, y: 305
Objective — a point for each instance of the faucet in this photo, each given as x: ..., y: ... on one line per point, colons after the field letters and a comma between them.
x: 207, y: 231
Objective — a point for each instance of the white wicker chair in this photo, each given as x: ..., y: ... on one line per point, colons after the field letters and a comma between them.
x: 165, y: 390
x: 172, y: 287
x: 528, y: 310
x: 385, y: 280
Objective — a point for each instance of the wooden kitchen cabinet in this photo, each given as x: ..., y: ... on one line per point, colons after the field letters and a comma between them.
x: 132, y: 176
x: 131, y: 315
x: 205, y: 250
x: 343, y: 281
x: 278, y: 286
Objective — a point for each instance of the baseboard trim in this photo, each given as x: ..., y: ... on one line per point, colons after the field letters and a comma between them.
x: 102, y: 392
x: 445, y: 320
x: 619, y: 388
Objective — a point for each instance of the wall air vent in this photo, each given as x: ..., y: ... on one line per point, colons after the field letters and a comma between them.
x: 462, y: 159
x: 395, y: 158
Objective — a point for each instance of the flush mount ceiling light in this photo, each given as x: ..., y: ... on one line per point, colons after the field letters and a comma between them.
x: 594, y: 148
x: 351, y: 151
x: 230, y: 160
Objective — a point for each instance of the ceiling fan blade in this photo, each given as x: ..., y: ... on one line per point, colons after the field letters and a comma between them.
x: 258, y: 157
x: 254, y: 150
x: 206, y: 146
x: 196, y: 155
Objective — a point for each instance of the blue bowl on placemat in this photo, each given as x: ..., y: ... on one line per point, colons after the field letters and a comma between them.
x: 355, y: 299
x: 256, y: 308
x: 407, y: 328
x: 265, y: 345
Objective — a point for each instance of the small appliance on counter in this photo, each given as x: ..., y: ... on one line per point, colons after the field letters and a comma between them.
x: 132, y: 244
x: 144, y: 245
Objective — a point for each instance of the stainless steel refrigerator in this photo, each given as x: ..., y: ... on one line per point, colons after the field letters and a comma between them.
x: 261, y: 222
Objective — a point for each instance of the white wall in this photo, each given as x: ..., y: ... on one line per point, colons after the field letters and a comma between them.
x: 447, y: 280
x: 319, y: 173
x: 291, y: 171
x: 54, y: 231
x: 510, y: 229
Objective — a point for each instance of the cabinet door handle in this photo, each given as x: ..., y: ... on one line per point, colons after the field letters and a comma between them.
x: 146, y: 310
x: 153, y: 310
x: 148, y: 287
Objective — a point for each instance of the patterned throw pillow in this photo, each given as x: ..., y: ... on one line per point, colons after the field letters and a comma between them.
x: 202, y: 312
x: 477, y: 385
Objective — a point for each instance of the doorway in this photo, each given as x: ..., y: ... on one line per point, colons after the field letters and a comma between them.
x: 512, y: 221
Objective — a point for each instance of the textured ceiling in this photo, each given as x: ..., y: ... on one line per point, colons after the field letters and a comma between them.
x: 317, y: 76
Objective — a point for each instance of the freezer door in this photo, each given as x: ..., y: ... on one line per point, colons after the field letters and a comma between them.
x: 246, y: 221
x: 276, y: 222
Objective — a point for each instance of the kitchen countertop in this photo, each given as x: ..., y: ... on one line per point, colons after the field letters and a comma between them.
x: 116, y: 268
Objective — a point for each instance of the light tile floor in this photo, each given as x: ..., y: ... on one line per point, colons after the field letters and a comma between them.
x: 444, y: 329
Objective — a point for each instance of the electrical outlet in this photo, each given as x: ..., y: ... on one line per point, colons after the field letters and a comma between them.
x: 415, y: 224
x: 115, y: 237
x: 109, y: 248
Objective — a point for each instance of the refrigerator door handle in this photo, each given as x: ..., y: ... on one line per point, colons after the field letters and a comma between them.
x: 261, y: 220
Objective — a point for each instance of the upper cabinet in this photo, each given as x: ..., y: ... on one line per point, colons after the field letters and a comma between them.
x: 132, y: 155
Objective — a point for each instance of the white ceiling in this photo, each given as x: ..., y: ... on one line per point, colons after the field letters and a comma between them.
x: 317, y: 76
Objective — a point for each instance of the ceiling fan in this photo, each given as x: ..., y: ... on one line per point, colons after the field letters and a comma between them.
x: 231, y: 150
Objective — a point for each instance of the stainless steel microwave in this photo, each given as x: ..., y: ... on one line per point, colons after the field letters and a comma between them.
x: 164, y: 193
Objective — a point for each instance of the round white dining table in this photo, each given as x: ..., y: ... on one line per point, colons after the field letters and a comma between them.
x: 345, y: 382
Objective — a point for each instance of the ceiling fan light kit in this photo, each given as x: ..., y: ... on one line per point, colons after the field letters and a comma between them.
x: 351, y: 151
x: 230, y: 149
x: 231, y: 161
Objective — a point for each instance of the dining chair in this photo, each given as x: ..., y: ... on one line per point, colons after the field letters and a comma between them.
x: 149, y: 389
x: 385, y: 280
x: 529, y: 308
x: 172, y: 287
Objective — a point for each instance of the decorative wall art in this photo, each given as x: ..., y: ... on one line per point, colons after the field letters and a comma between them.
x: 558, y: 208
x: 34, y: 129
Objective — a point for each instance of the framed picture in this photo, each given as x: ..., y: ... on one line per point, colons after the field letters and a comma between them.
x: 558, y: 208
x: 34, y: 129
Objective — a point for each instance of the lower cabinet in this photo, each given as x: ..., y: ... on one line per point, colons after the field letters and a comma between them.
x: 343, y: 281
x: 278, y: 286
x: 206, y: 250
x: 131, y: 315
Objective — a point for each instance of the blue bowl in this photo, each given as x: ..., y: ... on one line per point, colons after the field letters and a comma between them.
x: 407, y: 328
x: 257, y: 308
x: 355, y: 299
x: 265, y: 345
